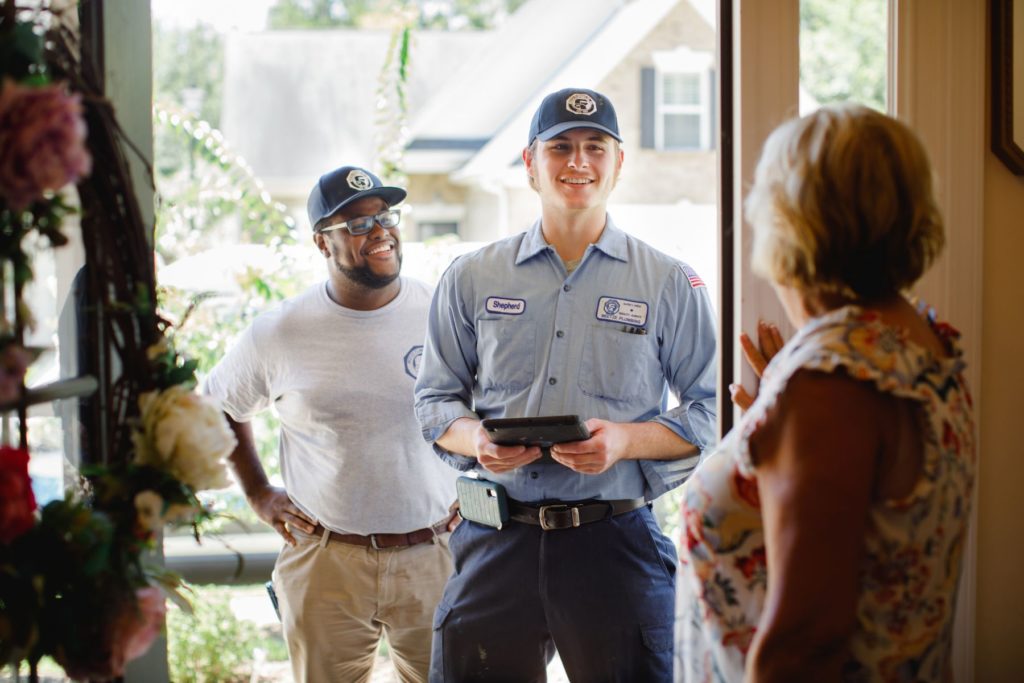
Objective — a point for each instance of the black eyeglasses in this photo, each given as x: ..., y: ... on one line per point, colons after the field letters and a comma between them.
x: 364, y: 224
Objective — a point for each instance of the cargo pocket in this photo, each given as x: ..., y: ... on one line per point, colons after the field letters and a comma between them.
x: 658, y: 638
x: 438, y: 656
x: 617, y: 365
x: 441, y: 615
x: 506, y: 352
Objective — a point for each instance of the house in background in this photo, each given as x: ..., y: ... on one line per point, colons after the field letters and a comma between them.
x: 299, y: 103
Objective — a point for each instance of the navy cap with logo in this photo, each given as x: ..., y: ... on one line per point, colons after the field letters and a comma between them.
x: 573, y: 108
x: 339, y: 188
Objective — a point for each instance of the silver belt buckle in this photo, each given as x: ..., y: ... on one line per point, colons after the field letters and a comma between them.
x: 559, y: 507
x: 373, y: 542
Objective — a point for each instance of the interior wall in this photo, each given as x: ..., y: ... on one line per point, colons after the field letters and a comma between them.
x: 935, y: 86
x: 1000, y: 493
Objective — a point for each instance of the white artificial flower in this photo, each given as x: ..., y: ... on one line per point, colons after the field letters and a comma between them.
x: 186, y: 435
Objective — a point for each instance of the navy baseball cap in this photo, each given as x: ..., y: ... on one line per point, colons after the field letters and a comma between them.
x: 334, y: 190
x: 573, y: 108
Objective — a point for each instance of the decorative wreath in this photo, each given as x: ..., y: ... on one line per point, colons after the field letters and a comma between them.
x: 74, y: 579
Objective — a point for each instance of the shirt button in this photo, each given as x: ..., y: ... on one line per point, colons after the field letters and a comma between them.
x: 559, y: 334
x: 534, y: 475
x: 552, y: 380
x: 566, y: 288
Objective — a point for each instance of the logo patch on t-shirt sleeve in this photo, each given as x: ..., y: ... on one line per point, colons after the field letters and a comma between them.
x: 616, y: 310
x: 412, y: 361
x: 505, y: 306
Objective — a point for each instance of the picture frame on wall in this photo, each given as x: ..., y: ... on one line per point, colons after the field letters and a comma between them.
x: 1008, y: 82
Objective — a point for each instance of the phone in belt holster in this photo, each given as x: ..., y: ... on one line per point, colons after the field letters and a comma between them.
x: 482, y: 501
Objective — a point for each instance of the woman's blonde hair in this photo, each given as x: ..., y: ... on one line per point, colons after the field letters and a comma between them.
x: 842, y: 202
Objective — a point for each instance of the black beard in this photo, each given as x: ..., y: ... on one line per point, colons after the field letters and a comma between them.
x: 362, y: 275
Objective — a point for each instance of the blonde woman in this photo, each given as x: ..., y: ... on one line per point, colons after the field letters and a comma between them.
x: 823, y: 539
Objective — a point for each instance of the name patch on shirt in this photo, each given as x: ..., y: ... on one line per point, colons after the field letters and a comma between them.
x: 616, y: 310
x: 498, y: 304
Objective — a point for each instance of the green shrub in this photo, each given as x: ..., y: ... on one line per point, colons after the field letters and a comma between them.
x: 211, y: 645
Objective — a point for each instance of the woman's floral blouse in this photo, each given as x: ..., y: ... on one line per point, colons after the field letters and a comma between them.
x: 913, y: 545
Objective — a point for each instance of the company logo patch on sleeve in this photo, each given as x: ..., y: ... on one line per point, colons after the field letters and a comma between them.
x: 504, y: 306
x: 412, y: 361
x: 616, y: 310
x: 691, y: 275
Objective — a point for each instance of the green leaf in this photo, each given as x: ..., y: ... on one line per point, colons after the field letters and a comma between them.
x: 403, y: 57
x: 183, y: 375
x: 22, y: 53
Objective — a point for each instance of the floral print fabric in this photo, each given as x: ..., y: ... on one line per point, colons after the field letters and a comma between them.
x: 913, y: 545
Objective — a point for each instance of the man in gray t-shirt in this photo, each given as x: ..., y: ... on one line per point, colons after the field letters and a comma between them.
x: 365, y: 506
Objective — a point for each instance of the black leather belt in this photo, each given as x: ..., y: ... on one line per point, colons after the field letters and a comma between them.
x: 550, y: 516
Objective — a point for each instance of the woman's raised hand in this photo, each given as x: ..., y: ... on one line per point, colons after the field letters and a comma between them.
x: 769, y: 342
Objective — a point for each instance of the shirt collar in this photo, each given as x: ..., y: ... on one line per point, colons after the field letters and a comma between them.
x: 612, y: 242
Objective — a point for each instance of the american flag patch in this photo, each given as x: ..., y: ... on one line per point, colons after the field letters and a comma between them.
x: 692, y: 276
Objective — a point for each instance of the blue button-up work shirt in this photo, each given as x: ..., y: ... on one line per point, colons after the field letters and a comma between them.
x: 510, y: 334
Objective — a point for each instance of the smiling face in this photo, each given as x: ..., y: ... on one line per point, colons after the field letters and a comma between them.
x: 574, y: 170
x: 371, y: 261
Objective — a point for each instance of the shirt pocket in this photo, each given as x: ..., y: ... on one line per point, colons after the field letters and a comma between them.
x: 506, y: 354
x: 618, y: 366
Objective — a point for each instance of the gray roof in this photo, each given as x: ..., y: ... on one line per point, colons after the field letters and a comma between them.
x: 298, y: 103
x: 534, y: 43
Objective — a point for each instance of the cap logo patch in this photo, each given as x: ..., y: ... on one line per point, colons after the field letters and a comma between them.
x: 581, y: 103
x: 359, y: 181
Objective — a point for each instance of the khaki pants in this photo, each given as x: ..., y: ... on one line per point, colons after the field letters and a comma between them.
x: 336, y: 601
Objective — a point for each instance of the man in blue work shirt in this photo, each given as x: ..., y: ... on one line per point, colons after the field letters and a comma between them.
x: 573, y: 316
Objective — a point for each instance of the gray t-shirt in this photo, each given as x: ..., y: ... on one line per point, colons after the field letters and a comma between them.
x: 341, y: 381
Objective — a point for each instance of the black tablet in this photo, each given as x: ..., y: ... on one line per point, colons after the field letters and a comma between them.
x: 535, y: 431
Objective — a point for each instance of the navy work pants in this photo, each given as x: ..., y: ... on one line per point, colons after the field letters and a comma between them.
x: 603, y: 594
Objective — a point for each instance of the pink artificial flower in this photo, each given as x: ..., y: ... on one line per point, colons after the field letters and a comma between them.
x: 145, y: 624
x: 14, y: 361
x: 42, y: 141
x: 17, y: 502
x: 128, y: 634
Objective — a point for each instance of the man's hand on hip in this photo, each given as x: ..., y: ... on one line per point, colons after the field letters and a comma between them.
x: 274, y: 507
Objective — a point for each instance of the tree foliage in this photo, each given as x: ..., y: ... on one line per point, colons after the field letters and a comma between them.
x: 212, y: 645
x: 188, y: 69
x: 210, y: 200
x: 843, y: 50
x: 212, y: 197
